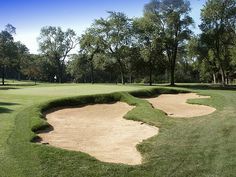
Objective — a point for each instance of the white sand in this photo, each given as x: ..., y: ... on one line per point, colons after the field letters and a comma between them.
x: 175, y: 105
x: 99, y: 130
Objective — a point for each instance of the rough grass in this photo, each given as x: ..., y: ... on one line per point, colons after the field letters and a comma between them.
x: 202, y: 146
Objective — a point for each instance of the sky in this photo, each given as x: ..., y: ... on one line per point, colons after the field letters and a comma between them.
x: 29, y: 16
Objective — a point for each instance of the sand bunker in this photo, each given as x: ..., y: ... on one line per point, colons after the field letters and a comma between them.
x: 100, y: 131
x: 175, y: 105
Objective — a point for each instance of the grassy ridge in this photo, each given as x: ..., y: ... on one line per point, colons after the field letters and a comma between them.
x: 202, y: 146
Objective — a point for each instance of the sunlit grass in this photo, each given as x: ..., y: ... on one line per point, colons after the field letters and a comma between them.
x: 202, y: 146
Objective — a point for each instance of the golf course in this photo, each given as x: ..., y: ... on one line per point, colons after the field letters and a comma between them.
x: 118, y: 88
x: 196, y: 146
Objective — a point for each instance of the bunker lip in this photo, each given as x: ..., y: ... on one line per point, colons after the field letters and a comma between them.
x: 175, y: 105
x: 99, y: 130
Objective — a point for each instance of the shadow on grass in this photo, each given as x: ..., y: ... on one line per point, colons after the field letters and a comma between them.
x: 16, y: 86
x: 8, y: 104
x: 20, y: 85
x: 208, y: 87
x: 4, y: 109
x: 7, y: 88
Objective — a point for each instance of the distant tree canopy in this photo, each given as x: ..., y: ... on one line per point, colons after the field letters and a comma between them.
x: 10, y: 52
x: 155, y: 48
x: 218, y: 36
x: 56, y: 45
x: 115, y: 34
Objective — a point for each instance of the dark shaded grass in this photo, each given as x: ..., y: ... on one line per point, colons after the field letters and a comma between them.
x: 7, y: 88
x: 201, y: 146
x: 208, y: 87
x: 3, y: 108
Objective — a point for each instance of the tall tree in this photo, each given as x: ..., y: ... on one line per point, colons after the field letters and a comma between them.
x: 8, y: 50
x: 91, y: 45
x: 30, y: 67
x: 150, y: 42
x: 115, y: 32
x: 173, y: 17
x: 218, y: 27
x: 22, y: 55
x: 56, y: 45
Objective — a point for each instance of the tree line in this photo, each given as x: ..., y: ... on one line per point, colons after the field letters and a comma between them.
x: 158, y: 47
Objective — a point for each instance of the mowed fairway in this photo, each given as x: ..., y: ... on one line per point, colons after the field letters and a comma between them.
x: 70, y: 89
x: 197, y: 147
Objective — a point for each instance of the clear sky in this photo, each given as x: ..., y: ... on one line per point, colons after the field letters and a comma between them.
x: 29, y: 16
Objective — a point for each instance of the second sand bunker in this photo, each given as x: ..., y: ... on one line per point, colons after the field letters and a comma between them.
x: 175, y: 105
x: 99, y: 130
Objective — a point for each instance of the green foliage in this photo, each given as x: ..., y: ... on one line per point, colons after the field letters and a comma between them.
x: 148, y: 34
x: 78, y: 67
x: 115, y: 34
x: 30, y: 66
x: 11, y: 53
x: 56, y: 45
x: 218, y: 27
x: 91, y: 45
x: 174, y: 21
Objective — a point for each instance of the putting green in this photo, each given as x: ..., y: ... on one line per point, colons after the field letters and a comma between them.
x: 70, y: 89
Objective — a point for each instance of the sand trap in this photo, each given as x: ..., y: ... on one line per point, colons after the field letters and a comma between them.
x: 100, y: 131
x: 175, y: 105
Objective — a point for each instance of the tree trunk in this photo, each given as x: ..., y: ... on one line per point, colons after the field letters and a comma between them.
x: 172, y: 77
x: 122, y: 77
x: 61, y: 74
x: 110, y: 76
x: 222, y: 76
x: 92, y: 73
x: 214, y: 78
x: 227, y: 79
x: 150, y: 76
x: 3, y: 75
x: 130, y: 78
x: 19, y: 76
x: 60, y: 70
x: 121, y: 71
x: 59, y: 79
x: 172, y: 67
x: 172, y: 72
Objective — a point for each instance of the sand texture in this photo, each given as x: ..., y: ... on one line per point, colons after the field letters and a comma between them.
x: 99, y: 130
x: 175, y: 105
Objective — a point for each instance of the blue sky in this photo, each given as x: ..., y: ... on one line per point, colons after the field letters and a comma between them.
x: 29, y: 16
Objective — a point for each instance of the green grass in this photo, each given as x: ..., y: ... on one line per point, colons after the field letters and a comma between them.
x: 54, y: 90
x: 201, y: 147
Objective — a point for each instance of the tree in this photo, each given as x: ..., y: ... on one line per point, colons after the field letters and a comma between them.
x: 90, y: 45
x: 115, y: 32
x: 173, y: 17
x: 78, y: 67
x: 30, y: 67
x: 218, y: 32
x: 8, y: 49
x: 56, y: 45
x: 22, y: 55
x: 150, y: 42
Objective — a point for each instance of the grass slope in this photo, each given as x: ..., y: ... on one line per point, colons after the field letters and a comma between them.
x: 202, y: 146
